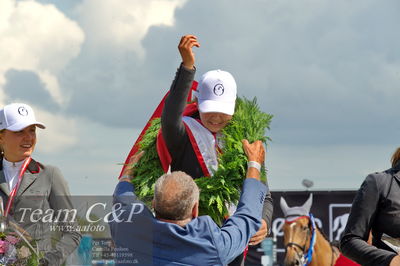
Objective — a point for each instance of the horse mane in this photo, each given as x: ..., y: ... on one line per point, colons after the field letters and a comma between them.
x: 323, y: 234
x: 334, y: 244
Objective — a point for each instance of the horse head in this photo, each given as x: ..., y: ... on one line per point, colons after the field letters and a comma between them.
x: 297, y: 231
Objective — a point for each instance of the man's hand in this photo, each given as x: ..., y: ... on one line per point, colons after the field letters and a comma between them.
x: 260, y: 235
x: 255, y: 151
x: 185, y: 49
x: 127, y: 173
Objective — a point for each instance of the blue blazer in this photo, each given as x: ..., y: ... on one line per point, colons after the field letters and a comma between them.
x: 141, y: 239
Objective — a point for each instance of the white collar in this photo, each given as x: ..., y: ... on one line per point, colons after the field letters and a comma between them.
x: 12, y: 165
x: 11, y: 170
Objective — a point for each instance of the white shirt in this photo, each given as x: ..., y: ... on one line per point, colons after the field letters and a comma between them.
x: 11, y: 172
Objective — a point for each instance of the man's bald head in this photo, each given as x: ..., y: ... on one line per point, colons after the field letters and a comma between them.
x: 175, y: 195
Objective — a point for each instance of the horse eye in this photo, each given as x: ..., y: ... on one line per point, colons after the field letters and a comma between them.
x: 305, y: 228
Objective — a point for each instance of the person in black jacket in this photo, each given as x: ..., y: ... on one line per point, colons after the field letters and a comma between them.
x: 216, y: 101
x: 376, y: 209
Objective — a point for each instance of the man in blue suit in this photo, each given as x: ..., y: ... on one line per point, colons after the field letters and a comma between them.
x: 177, y: 235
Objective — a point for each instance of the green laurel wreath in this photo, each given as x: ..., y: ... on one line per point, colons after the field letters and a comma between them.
x: 223, y: 188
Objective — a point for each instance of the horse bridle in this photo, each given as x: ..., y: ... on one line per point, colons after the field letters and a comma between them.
x: 305, y: 260
x: 305, y: 255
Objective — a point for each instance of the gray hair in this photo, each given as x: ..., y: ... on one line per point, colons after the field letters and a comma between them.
x: 175, y: 195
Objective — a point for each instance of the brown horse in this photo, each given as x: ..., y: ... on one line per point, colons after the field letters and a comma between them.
x: 304, y: 242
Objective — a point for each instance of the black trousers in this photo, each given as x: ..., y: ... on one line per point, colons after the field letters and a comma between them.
x: 238, y: 261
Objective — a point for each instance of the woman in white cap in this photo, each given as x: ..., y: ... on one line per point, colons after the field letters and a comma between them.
x: 29, y: 190
x: 193, y: 140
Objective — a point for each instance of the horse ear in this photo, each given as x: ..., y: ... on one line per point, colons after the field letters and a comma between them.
x: 284, y: 206
x: 307, y: 205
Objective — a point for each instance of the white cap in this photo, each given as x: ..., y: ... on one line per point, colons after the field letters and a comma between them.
x: 17, y: 116
x: 216, y: 92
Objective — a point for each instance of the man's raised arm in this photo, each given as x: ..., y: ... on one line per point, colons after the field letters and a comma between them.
x: 235, y: 234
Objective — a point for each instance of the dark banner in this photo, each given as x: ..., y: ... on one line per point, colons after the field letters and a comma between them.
x: 330, y: 208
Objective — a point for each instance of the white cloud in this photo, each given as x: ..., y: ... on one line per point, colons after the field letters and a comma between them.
x: 41, y: 39
x: 124, y: 23
x: 60, y: 132
x: 38, y: 38
x: 93, y: 163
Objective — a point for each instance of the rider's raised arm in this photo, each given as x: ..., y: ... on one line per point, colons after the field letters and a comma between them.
x: 171, y: 119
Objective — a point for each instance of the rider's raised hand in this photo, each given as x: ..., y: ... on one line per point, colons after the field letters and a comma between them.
x: 185, y: 49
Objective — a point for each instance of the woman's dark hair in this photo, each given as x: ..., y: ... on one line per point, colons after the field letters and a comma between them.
x: 396, y: 157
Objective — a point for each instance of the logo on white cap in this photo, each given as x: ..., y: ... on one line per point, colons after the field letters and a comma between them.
x: 22, y: 111
x: 17, y: 116
x: 219, y: 89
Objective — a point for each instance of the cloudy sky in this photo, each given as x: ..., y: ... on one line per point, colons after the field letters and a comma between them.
x: 94, y: 70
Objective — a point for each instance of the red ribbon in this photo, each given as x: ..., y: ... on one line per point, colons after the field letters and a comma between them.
x: 15, y: 189
x: 157, y: 114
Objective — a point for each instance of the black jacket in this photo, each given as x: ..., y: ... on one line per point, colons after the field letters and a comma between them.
x: 376, y: 208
